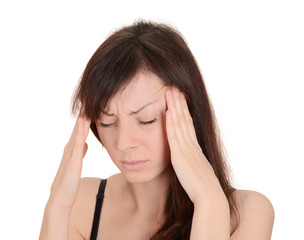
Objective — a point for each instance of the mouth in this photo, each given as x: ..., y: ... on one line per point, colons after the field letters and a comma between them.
x: 134, y: 164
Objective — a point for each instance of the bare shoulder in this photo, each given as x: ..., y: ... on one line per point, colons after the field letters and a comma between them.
x: 256, y: 215
x: 83, y: 210
x: 81, y: 217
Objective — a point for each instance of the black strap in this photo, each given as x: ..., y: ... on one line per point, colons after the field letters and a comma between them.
x: 99, y: 200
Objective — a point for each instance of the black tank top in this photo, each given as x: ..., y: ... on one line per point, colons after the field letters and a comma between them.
x: 99, y: 200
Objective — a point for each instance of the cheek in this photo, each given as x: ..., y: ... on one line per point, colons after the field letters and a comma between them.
x: 160, y: 146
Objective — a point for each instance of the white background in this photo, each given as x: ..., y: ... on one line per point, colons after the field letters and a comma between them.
x: 251, y: 55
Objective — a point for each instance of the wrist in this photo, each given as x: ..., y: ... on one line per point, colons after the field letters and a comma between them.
x: 55, y: 224
x: 54, y: 206
x: 211, y: 218
x: 212, y: 199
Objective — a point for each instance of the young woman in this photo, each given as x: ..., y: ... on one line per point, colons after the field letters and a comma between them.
x: 144, y: 98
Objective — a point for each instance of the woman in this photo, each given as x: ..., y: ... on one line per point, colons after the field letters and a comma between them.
x: 144, y: 98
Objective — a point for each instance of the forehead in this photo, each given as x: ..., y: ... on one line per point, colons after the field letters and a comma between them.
x: 143, y: 88
x: 143, y: 82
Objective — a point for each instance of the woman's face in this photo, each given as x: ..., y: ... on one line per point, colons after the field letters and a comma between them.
x: 136, y: 129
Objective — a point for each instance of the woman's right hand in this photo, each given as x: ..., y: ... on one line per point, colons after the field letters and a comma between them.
x: 66, y: 183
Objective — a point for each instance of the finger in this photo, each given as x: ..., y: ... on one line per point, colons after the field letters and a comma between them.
x: 82, y: 131
x: 188, y: 118
x: 76, y: 144
x: 74, y: 132
x: 172, y: 138
x: 81, y: 122
x: 84, y: 124
x: 169, y: 122
x: 182, y: 119
x: 87, y: 124
x: 178, y: 118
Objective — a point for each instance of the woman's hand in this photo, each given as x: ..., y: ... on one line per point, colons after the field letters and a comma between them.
x: 192, y: 168
x: 66, y: 183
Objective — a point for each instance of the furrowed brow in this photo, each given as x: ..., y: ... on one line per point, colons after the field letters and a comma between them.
x: 132, y: 112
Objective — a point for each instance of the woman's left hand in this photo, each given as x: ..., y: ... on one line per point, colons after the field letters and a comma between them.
x: 192, y: 168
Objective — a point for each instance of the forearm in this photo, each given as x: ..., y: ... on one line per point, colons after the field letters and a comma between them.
x: 55, y: 224
x: 211, y: 220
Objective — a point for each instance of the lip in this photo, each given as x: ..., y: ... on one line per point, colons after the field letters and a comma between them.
x: 133, y: 165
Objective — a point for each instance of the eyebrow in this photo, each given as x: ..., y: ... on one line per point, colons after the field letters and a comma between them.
x: 132, y: 112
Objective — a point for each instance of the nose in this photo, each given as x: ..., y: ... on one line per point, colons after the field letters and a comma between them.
x: 127, y: 140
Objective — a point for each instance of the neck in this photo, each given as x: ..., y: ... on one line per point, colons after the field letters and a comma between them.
x: 148, y: 198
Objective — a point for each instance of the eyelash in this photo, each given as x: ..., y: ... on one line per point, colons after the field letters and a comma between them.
x: 143, y: 123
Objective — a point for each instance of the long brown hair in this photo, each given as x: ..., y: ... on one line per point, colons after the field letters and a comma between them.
x: 162, y: 50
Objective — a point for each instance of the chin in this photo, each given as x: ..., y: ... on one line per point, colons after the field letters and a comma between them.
x: 144, y: 176
x: 137, y: 177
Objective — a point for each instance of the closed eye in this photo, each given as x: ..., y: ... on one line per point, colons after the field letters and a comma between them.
x: 149, y: 122
x: 143, y: 123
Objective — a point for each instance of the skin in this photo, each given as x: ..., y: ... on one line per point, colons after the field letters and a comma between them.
x: 128, y: 139
x: 171, y: 138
